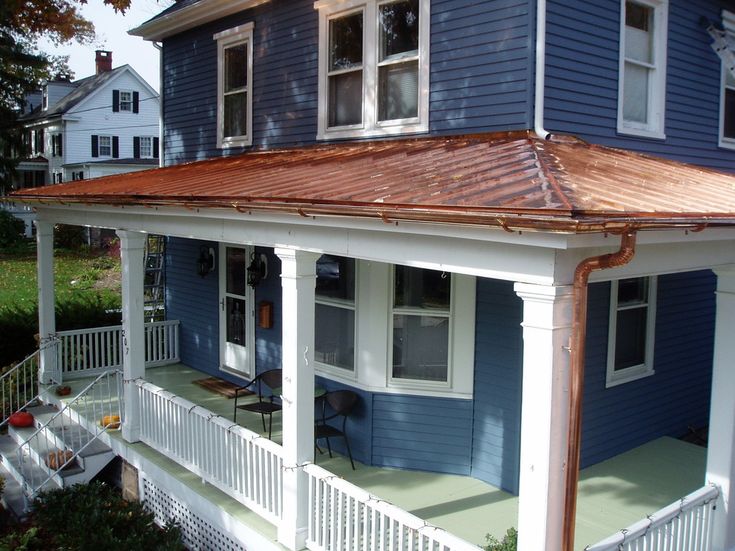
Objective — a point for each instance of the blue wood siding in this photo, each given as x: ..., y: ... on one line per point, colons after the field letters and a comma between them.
x: 676, y: 396
x: 424, y: 433
x: 481, y: 67
x: 582, y: 80
x: 193, y: 300
x: 498, y: 380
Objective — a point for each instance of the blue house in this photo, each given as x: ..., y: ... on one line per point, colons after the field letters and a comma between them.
x: 506, y: 226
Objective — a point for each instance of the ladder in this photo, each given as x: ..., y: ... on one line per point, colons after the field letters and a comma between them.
x: 155, y: 281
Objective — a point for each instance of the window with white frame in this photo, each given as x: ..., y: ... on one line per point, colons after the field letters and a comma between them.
x: 105, y: 146
x: 727, y: 108
x: 146, y: 147
x: 126, y: 101
x: 642, y: 74
x: 334, y: 337
x: 234, y: 81
x: 421, y: 319
x: 631, y: 329
x: 373, y: 67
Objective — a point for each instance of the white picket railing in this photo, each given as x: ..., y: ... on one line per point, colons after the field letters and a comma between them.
x: 88, y: 352
x: 19, y: 386
x: 239, y: 462
x: 682, y: 526
x: 343, y: 517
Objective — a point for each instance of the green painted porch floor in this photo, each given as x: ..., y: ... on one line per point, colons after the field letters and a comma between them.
x: 612, y: 494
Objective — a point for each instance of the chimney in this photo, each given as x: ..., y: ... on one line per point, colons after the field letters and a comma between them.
x: 103, y: 61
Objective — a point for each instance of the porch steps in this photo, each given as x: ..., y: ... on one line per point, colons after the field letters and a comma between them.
x: 64, y: 434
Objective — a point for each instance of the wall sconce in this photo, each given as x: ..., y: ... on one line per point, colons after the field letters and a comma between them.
x: 258, y: 269
x: 205, y: 262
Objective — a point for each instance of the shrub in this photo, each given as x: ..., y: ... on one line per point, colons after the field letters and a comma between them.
x: 11, y: 230
x: 508, y: 543
x: 90, y: 517
x: 69, y: 237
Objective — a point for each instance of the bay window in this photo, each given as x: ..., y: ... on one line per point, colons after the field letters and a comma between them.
x: 334, y: 336
x: 727, y: 109
x: 373, y: 63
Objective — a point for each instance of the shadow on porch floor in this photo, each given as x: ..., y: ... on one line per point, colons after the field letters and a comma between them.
x: 612, y: 494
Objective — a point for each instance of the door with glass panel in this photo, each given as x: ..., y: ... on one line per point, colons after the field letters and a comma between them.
x: 237, y: 312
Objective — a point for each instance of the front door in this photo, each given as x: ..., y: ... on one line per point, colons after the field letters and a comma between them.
x: 237, y: 312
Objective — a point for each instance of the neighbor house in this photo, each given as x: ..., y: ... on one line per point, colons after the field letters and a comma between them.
x: 505, y: 225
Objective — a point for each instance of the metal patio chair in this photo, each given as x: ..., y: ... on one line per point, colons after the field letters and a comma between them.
x: 268, y: 403
x: 342, y: 403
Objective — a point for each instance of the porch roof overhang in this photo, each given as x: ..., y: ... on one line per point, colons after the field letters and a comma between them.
x: 515, y: 181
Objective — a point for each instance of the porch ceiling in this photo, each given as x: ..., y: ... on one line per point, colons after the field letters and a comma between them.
x: 512, y: 180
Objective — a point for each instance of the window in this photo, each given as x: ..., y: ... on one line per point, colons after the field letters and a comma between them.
x: 39, y: 141
x: 421, y: 316
x: 105, y: 146
x: 335, y: 312
x: 631, y: 330
x: 234, y: 94
x: 56, y: 145
x: 642, y: 75
x: 727, y: 109
x: 145, y: 147
x: 373, y: 66
x: 77, y: 175
x: 57, y: 177
x: 125, y: 101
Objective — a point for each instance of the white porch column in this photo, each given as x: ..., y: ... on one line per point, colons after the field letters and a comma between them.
x: 132, y: 245
x: 721, y: 449
x: 298, y: 279
x: 547, y: 323
x: 46, y: 297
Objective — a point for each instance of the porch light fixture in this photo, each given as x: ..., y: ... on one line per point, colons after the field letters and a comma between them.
x: 258, y: 269
x: 205, y: 262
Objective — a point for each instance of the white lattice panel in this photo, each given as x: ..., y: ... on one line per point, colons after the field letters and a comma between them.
x: 197, y: 533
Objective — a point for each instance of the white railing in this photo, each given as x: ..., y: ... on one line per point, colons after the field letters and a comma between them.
x: 100, y: 401
x: 344, y: 517
x: 682, y: 526
x: 88, y: 352
x: 239, y: 462
x: 19, y: 386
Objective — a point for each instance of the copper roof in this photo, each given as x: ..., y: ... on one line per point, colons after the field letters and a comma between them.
x: 513, y: 180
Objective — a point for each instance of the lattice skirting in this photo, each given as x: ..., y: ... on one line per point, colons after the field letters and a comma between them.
x: 198, y: 533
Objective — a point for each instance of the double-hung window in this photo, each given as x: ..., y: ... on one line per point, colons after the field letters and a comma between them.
x: 631, y: 329
x: 126, y: 101
x: 421, y: 325
x: 642, y: 74
x: 727, y: 98
x: 234, y: 86
x: 374, y: 67
x: 105, y: 146
x: 334, y: 338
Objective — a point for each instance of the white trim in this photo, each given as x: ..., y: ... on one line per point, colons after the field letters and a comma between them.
x: 370, y: 125
x: 236, y: 36
x: 724, y: 142
x: 655, y: 127
x: 100, y: 155
x: 617, y: 377
x: 131, y: 102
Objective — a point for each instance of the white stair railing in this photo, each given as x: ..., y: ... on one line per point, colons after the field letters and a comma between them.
x: 19, y: 386
x: 100, y: 401
x: 241, y: 463
x: 682, y: 526
x: 343, y: 516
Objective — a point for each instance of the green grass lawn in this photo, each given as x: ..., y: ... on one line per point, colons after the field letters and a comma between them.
x: 76, y: 274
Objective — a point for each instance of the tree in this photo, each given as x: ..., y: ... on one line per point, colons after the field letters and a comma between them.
x: 23, y: 67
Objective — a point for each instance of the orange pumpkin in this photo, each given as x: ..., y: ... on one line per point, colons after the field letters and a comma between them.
x: 110, y: 421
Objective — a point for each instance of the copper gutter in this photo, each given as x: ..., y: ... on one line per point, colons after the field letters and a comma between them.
x: 576, y: 383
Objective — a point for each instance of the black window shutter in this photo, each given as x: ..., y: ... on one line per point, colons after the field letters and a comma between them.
x: 61, y: 152
x: 136, y: 98
x: 136, y: 147
x: 156, y: 145
x: 95, y: 145
x: 115, y: 147
x: 116, y: 100
x: 41, y: 141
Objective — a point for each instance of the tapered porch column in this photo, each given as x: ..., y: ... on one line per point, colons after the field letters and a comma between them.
x: 132, y: 245
x: 298, y: 279
x: 547, y: 323
x: 46, y: 298
x: 721, y: 449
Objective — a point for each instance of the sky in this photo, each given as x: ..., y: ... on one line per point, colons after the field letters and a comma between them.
x: 112, y: 35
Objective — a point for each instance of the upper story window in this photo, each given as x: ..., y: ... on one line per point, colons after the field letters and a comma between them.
x: 234, y: 93
x: 125, y: 101
x: 642, y: 75
x: 727, y: 117
x: 105, y: 146
x: 145, y: 147
x: 631, y: 330
x: 373, y: 67
x: 334, y: 339
x: 57, y: 145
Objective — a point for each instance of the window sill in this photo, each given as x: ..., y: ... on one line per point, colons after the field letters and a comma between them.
x: 641, y: 133
x: 727, y: 143
x: 335, y: 134
x: 234, y: 142
x: 633, y: 374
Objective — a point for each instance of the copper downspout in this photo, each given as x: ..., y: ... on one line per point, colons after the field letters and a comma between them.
x: 576, y: 383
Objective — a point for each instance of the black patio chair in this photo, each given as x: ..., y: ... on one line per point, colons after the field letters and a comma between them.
x: 342, y: 403
x: 267, y: 404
